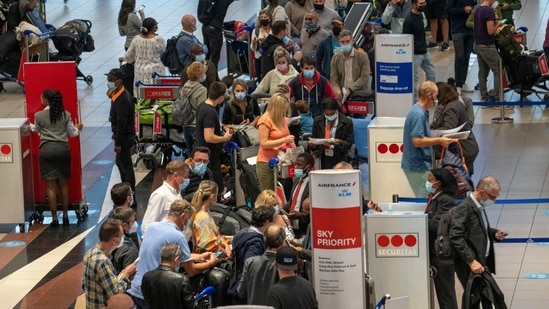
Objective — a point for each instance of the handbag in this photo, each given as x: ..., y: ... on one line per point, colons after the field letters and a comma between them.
x: 288, y: 155
x: 451, y: 158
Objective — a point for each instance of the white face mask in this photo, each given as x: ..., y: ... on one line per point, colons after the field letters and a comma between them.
x: 495, y: 5
x: 121, y: 242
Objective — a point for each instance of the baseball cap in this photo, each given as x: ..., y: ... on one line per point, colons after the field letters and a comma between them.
x: 116, y: 73
x: 337, y: 21
x: 286, y: 259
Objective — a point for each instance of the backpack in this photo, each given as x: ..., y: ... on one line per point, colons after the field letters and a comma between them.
x: 506, y: 44
x: 13, y: 17
x: 231, y: 219
x: 443, y: 248
x: 170, y: 57
x: 183, y: 113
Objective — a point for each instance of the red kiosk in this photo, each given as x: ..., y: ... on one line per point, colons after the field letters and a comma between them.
x: 40, y: 76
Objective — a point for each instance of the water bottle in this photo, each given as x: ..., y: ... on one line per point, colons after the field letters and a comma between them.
x: 17, y: 229
x: 390, y: 209
x: 27, y: 226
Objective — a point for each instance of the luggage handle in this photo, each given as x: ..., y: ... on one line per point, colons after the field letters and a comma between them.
x: 443, y: 152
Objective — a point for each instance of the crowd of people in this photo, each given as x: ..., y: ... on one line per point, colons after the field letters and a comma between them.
x: 307, y: 63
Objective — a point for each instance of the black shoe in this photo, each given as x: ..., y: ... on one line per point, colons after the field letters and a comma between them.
x: 54, y: 223
x: 65, y: 221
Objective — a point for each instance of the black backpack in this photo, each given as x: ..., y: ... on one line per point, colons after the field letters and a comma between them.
x: 13, y: 17
x: 170, y: 57
x: 205, y: 11
x: 443, y: 248
x: 231, y: 219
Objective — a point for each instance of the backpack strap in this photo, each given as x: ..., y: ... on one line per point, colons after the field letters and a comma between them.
x: 226, y: 212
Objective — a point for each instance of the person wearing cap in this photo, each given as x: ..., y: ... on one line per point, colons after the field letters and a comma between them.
x: 328, y: 47
x: 350, y: 69
x: 290, y: 291
x: 122, y: 121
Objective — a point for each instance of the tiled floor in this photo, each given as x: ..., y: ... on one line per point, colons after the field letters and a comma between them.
x: 46, y: 272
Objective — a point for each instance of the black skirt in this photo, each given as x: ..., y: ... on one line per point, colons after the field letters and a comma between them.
x: 55, y: 160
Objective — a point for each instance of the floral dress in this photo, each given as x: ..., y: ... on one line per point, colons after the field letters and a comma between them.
x: 146, y: 53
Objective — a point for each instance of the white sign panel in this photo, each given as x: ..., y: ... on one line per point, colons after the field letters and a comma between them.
x: 336, y: 229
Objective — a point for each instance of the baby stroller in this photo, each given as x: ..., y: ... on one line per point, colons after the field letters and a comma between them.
x: 71, y: 40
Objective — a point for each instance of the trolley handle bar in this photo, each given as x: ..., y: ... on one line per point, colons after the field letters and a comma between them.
x: 42, y: 35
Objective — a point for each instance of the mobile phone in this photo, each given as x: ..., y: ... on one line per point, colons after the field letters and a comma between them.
x: 141, y: 7
x: 228, y: 194
x: 218, y: 254
x: 136, y: 260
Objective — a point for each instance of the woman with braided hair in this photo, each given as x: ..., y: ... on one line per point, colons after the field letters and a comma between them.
x: 55, y: 126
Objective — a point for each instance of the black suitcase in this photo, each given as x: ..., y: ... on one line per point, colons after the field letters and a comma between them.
x: 219, y: 279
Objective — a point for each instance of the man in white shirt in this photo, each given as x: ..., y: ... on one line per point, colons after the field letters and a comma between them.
x: 177, y: 178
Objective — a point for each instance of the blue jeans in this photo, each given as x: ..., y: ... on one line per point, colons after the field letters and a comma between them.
x: 426, y: 63
x: 463, y: 47
x: 488, y: 59
x: 139, y: 303
x: 188, y: 136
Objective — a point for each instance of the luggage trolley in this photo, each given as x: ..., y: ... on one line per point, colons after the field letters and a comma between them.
x: 166, y: 79
x: 239, y: 55
x: 156, y: 135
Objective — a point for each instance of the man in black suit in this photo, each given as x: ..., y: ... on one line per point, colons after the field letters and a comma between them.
x: 471, y: 234
x: 300, y: 192
x: 336, y: 127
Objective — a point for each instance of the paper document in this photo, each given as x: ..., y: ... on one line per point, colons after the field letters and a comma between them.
x: 321, y: 141
x: 344, y: 94
x: 460, y: 135
x: 252, y: 160
x: 439, y: 133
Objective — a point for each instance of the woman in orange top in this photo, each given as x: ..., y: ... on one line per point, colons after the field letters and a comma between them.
x: 273, y: 135
x: 206, y: 235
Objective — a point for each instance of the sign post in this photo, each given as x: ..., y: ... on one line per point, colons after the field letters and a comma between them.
x: 336, y: 230
x: 394, y: 74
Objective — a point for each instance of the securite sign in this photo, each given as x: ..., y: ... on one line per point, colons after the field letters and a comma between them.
x: 389, y: 152
x: 397, y: 245
x: 6, y: 153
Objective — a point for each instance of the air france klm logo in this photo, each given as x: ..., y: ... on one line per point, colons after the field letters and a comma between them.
x: 337, y: 185
x: 395, y: 44
x: 344, y: 193
x: 400, y: 51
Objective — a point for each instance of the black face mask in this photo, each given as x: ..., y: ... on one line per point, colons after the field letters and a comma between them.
x: 319, y: 7
x: 264, y: 22
x: 421, y: 8
x: 336, y: 31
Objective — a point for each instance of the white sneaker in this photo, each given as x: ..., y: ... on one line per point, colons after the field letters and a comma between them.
x: 465, y: 88
x: 458, y: 89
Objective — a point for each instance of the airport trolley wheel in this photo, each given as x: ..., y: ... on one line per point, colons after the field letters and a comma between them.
x: 88, y: 79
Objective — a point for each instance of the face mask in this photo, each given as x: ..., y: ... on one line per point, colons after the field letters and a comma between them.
x: 346, y: 48
x: 336, y: 31
x: 495, y: 5
x: 121, y: 242
x: 240, y: 95
x: 177, y: 268
x: 184, y: 184
x: 200, y: 58
x: 308, y: 73
x: 264, y: 22
x: 421, y: 8
x: 277, y: 210
x: 194, y: 28
x: 131, y: 200
x: 331, y: 118
x: 487, y: 202
x: 199, y: 168
x: 111, y: 85
x: 282, y: 67
x: 310, y: 23
x: 299, y: 173
x: 203, y: 78
x: 429, y: 187
x: 285, y: 40
x: 436, y: 102
x: 319, y: 7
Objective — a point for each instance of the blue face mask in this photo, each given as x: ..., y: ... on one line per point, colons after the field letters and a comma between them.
x: 277, y: 210
x: 240, y: 95
x: 200, y: 168
x: 346, y: 48
x: 429, y: 187
x: 299, y: 173
x: 487, y: 202
x: 309, y: 73
x: 111, y: 85
x: 285, y: 40
x: 203, y: 78
x: 184, y: 184
x: 200, y: 58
